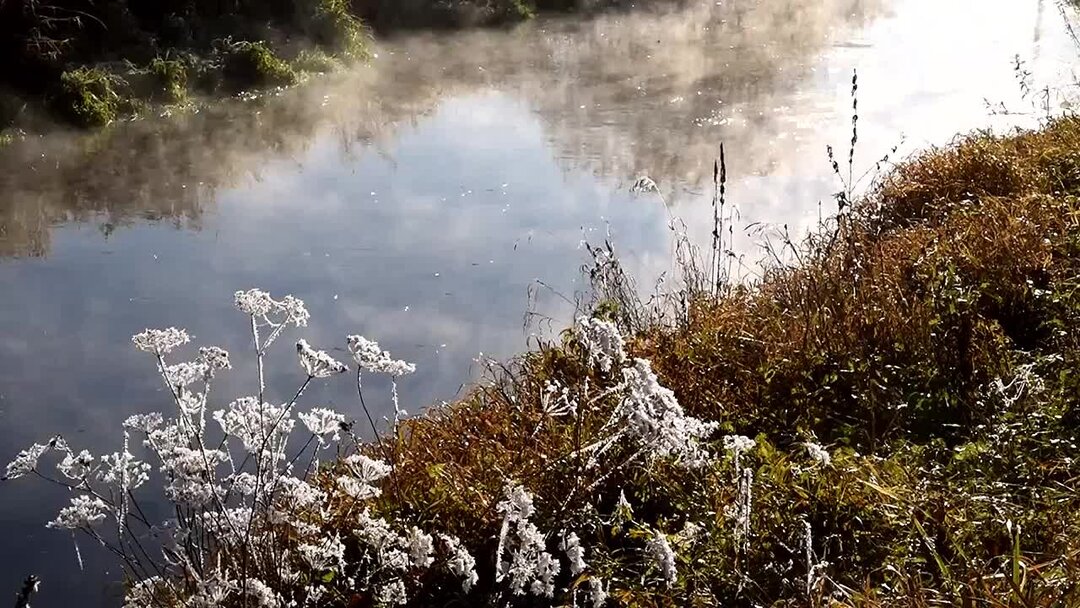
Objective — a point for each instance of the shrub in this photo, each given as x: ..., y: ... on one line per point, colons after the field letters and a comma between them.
x: 254, y: 64
x: 171, y: 76
x: 89, y: 96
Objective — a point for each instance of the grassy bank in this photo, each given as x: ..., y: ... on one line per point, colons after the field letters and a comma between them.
x: 886, y: 417
x: 910, y: 383
x: 90, y: 63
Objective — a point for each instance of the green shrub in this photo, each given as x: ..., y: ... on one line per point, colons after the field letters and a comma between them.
x: 170, y: 78
x: 89, y: 96
x: 250, y: 64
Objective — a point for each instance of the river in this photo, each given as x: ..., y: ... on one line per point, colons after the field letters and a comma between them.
x: 431, y: 199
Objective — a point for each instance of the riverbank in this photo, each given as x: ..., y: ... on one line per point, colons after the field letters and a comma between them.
x: 904, y: 390
x: 87, y: 64
x: 886, y: 417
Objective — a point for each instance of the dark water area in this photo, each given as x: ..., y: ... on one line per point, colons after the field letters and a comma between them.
x: 433, y: 198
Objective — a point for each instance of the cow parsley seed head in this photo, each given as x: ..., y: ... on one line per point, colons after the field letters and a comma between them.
x: 295, y: 312
x: 598, y: 594
x: 317, y: 363
x: 738, y: 444
x: 603, y: 342
x: 322, y: 422
x: 84, y: 512
x: 575, y: 553
x: 367, y: 470
x: 216, y: 358
x: 144, y: 593
x: 76, y: 466
x: 144, y: 422
x: 124, y: 470
x: 371, y: 358
x: 160, y: 341
x: 26, y: 461
x: 255, y: 302
x: 663, y: 556
x: 460, y: 562
x: 421, y: 548
x: 187, y: 373
x: 264, y: 596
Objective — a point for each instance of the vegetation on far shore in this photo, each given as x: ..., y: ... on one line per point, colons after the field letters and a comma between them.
x: 89, y: 63
x: 886, y: 417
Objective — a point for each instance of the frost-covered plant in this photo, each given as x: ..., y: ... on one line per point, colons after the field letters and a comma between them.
x: 252, y: 525
x: 603, y: 342
x: 521, y: 555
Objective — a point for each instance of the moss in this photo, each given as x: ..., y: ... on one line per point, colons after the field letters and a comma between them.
x: 254, y: 64
x: 89, y: 96
x: 331, y: 24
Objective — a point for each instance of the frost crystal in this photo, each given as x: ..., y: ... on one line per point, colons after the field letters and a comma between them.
x: 144, y: 422
x: 83, y: 513
x: 370, y: 357
x: 602, y: 341
x: 255, y: 302
x: 663, y: 555
x: 254, y: 425
x: 322, y: 421
x: 143, y: 593
x: 160, y: 341
x: 652, y: 414
x: 316, y: 363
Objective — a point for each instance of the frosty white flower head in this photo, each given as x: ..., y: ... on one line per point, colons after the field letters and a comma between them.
x: 187, y: 373
x: 264, y: 596
x: 663, y: 556
x: 738, y: 444
x: 367, y: 470
x: 322, y: 421
x: 83, y: 513
x: 818, y: 453
x: 651, y: 413
x: 76, y: 466
x: 255, y: 426
x: 26, y: 461
x: 421, y: 547
x: 124, y: 470
x: 317, y: 363
x: 598, y: 594
x: 530, y: 567
x: 360, y: 484
x: 575, y: 553
x: 143, y: 593
x: 329, y: 553
x: 602, y: 341
x: 216, y: 358
x: 160, y: 341
x: 144, y: 422
x: 460, y: 562
x: 370, y: 357
x: 258, y: 303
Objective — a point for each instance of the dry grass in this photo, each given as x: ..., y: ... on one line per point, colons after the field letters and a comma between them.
x: 884, y: 343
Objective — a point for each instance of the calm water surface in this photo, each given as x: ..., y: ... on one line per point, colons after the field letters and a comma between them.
x: 420, y: 200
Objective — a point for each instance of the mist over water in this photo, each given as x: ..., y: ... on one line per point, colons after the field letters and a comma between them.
x: 419, y: 199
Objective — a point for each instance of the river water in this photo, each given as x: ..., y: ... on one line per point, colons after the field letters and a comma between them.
x: 430, y: 199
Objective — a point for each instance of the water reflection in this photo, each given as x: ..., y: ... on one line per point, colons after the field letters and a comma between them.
x: 417, y: 201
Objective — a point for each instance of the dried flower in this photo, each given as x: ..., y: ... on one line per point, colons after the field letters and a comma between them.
x: 322, y: 421
x: 160, y: 341
x: 83, y: 513
x: 317, y: 363
x: 370, y: 357
x: 663, y: 556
